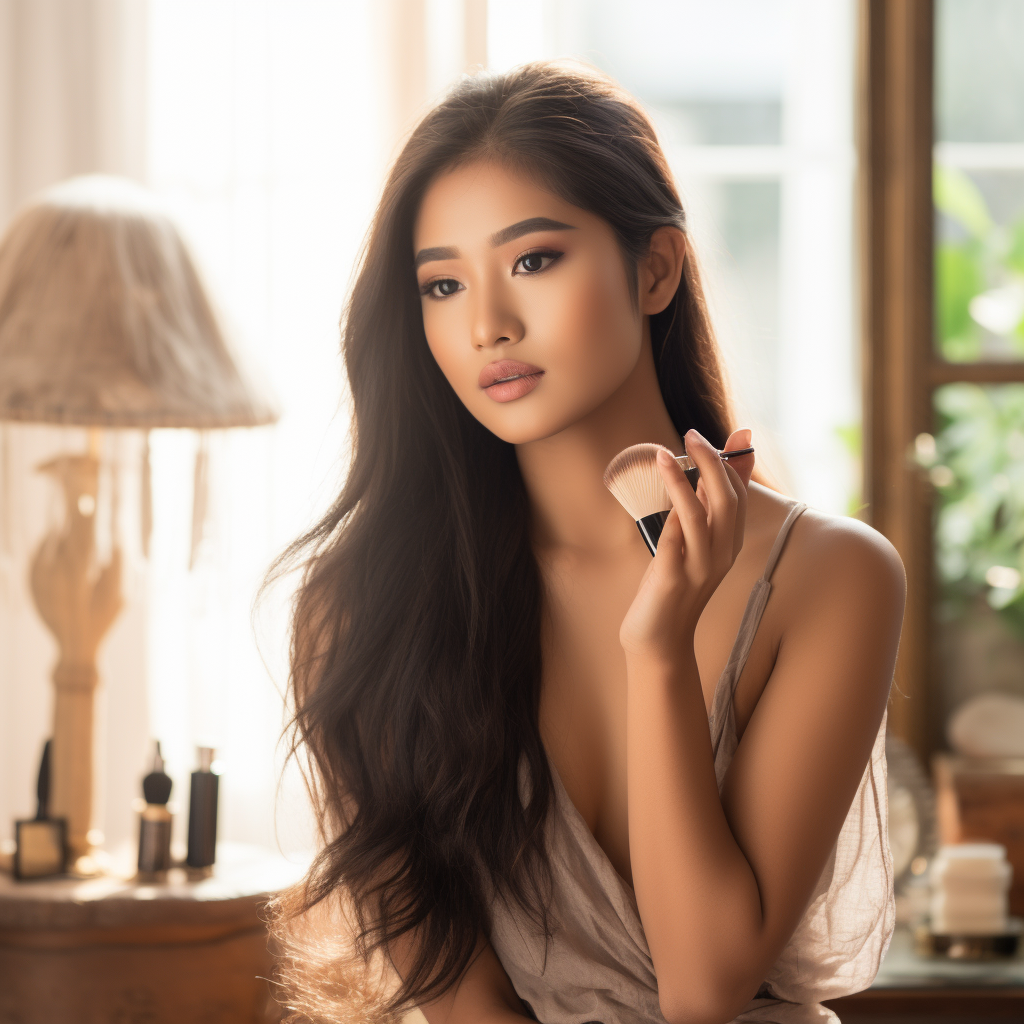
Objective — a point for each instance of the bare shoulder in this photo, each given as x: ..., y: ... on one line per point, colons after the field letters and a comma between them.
x: 830, y: 557
x: 836, y: 609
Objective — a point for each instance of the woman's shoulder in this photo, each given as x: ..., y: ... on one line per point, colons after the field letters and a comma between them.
x: 825, y: 552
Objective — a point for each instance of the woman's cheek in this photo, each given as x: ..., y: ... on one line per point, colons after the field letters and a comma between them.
x: 594, y: 331
x: 443, y: 329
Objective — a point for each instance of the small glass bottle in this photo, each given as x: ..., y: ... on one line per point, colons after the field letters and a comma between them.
x: 202, y: 814
x: 155, y: 821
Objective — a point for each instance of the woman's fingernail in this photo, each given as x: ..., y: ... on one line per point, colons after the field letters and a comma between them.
x: 665, y: 457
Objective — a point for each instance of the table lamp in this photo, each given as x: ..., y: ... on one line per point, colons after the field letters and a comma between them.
x: 104, y: 323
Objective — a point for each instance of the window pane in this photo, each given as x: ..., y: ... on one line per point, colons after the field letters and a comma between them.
x: 977, y: 469
x: 979, y: 70
x: 979, y: 180
x: 719, y: 122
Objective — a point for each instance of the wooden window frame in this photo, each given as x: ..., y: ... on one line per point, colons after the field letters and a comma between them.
x: 901, y: 368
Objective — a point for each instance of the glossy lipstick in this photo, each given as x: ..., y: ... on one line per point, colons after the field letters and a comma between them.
x: 508, y: 379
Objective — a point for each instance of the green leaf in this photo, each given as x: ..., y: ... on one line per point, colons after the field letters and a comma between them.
x: 958, y: 278
x: 980, y: 521
x: 958, y: 197
x: 1015, y: 255
x: 851, y: 437
x: 1018, y: 337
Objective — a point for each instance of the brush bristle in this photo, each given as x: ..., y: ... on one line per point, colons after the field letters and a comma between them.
x: 635, y: 480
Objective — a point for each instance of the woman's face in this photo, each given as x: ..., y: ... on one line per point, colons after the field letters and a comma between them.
x: 526, y: 301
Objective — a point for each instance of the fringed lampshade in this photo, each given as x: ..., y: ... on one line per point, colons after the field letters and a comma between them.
x: 104, y: 322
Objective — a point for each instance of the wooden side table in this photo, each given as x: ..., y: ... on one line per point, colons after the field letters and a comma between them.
x: 110, y: 951
x: 910, y: 988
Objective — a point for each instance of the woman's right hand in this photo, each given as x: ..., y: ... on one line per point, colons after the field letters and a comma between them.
x: 699, y: 543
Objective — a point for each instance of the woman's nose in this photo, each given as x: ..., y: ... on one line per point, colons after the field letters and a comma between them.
x: 494, y: 320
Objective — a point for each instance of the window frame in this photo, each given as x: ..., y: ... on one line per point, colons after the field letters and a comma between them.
x: 900, y: 366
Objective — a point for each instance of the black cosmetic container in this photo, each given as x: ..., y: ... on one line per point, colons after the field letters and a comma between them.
x: 155, y: 821
x: 41, y: 842
x: 202, y: 814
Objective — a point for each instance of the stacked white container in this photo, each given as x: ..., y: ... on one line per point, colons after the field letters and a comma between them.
x: 970, y: 889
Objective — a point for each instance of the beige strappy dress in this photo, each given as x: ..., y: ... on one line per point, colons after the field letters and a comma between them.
x: 597, y: 966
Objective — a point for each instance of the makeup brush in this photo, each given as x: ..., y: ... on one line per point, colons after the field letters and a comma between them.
x: 635, y: 480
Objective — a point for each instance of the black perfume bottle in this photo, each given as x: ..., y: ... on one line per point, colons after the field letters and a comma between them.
x: 155, y: 821
x: 202, y: 813
x: 41, y: 842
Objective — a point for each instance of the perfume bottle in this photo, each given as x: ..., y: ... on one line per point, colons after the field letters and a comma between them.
x: 155, y: 821
x: 41, y: 842
x: 202, y: 813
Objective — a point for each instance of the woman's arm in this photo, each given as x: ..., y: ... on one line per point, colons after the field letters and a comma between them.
x: 721, y: 883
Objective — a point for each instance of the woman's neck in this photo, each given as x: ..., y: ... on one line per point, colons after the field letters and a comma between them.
x: 563, y: 473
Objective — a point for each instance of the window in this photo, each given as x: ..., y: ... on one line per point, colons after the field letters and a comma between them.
x: 976, y: 465
x: 941, y: 85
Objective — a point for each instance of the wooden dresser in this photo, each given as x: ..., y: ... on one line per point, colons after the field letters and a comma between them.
x: 110, y: 951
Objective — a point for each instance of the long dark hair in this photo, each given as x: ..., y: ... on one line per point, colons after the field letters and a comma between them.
x: 416, y: 658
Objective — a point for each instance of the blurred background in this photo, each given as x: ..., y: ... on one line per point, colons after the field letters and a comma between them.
x: 267, y: 128
x: 854, y: 176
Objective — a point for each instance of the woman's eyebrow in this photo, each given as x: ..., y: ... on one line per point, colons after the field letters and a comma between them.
x: 438, y: 252
x: 525, y: 227
x: 505, y: 235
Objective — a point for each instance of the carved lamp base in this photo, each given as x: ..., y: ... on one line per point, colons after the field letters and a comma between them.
x: 78, y: 600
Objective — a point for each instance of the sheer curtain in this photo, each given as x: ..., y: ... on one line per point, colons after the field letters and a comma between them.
x: 71, y: 102
x: 266, y: 126
x: 265, y: 134
x: 270, y: 126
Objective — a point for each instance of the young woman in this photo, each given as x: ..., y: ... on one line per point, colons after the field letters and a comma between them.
x: 561, y: 780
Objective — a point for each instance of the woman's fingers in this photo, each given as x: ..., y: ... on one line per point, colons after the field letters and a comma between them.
x: 723, y: 500
x: 739, y: 470
x: 690, y: 512
x: 671, y: 545
x: 743, y: 464
x: 741, y: 509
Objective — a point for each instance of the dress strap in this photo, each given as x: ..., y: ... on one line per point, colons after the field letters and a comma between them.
x: 722, y: 718
x: 780, y: 540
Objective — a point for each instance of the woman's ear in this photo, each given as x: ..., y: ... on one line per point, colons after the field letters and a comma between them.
x: 661, y: 269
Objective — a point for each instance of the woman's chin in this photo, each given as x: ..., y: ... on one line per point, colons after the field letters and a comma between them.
x: 526, y: 428
x: 518, y: 433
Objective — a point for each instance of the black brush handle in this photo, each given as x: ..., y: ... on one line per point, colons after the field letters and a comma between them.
x: 650, y: 528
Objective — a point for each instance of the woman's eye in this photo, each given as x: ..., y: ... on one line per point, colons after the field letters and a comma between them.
x: 441, y: 289
x: 533, y: 262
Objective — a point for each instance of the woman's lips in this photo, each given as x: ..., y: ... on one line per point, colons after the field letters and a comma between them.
x: 508, y: 379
